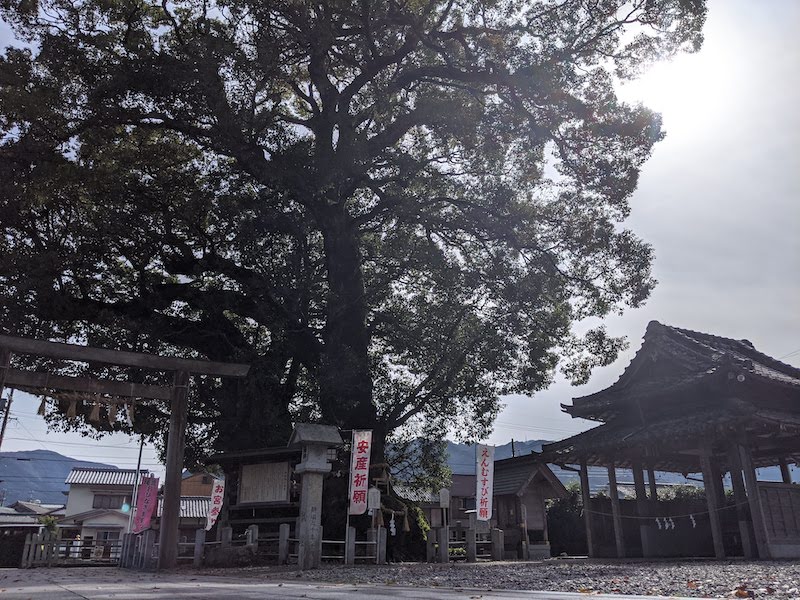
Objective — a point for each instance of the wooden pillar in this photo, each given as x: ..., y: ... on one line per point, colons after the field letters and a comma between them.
x: 786, y: 474
x: 5, y: 361
x: 754, y: 500
x: 641, y: 508
x: 587, y: 514
x: 651, y: 481
x: 616, y: 513
x: 170, y: 513
x: 719, y: 481
x: 740, y: 497
x: 545, y: 531
x: 710, y: 483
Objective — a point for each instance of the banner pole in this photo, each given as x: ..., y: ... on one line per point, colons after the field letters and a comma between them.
x: 136, y: 479
x: 349, y: 492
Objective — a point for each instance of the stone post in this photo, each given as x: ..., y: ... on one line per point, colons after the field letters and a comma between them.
x: 498, y: 542
x: 350, y: 547
x: 199, y: 546
x: 444, y: 545
x: 283, y: 543
x: 252, y: 536
x: 430, y: 550
x: 227, y: 536
x: 381, y: 547
x: 472, y: 545
x: 314, y: 441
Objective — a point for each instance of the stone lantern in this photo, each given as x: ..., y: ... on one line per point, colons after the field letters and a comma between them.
x: 314, y: 440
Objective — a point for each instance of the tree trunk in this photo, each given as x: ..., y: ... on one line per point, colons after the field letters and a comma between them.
x: 345, y: 380
x: 254, y: 411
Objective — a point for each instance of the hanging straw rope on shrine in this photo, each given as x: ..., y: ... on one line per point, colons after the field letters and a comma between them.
x: 76, y: 400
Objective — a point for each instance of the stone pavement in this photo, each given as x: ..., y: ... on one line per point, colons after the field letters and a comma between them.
x: 96, y: 584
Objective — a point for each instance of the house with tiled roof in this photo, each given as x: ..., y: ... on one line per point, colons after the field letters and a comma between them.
x: 98, y: 504
x: 99, y: 507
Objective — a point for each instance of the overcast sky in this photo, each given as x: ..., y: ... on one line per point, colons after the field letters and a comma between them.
x: 718, y: 200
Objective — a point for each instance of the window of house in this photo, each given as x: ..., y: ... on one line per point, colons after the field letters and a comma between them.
x: 109, y: 501
x: 467, y: 503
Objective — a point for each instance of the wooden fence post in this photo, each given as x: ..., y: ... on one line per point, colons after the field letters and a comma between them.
x: 148, y: 549
x: 26, y: 550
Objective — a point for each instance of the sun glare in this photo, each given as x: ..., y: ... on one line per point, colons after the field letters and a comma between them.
x: 694, y: 92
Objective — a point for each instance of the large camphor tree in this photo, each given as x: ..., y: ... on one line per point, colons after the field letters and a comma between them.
x: 395, y: 211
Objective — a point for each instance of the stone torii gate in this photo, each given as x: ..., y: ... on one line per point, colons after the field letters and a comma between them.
x: 177, y: 395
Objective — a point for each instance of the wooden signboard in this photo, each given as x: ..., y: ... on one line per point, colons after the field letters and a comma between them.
x: 264, y: 482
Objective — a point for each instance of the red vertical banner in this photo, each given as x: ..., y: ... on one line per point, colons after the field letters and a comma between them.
x: 484, y: 471
x: 215, y: 506
x: 146, y: 502
x: 359, y: 471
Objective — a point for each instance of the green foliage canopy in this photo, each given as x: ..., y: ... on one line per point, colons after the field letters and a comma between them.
x: 394, y: 210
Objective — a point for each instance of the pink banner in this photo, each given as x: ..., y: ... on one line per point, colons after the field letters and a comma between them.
x: 484, y: 458
x: 359, y: 471
x: 215, y: 506
x: 146, y: 502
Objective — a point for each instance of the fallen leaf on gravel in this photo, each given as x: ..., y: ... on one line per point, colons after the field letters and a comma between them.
x: 692, y: 585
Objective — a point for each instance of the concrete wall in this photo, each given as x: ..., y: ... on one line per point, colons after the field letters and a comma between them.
x: 79, y: 500
x: 81, y: 497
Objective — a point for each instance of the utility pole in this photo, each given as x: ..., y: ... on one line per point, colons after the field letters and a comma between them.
x: 136, y: 480
x: 7, y: 410
x: 513, y: 449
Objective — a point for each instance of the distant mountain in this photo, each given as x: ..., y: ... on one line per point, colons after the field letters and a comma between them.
x: 462, y: 456
x: 37, y: 475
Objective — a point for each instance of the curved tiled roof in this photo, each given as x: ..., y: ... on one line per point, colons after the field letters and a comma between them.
x: 192, y: 507
x: 89, y: 476
x: 694, y: 358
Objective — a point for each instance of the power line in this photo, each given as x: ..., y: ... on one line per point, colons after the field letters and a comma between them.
x: 123, y: 446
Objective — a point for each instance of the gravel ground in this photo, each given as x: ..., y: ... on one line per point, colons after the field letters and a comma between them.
x: 698, y: 578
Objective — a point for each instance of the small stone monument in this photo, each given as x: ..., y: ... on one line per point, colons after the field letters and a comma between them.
x: 314, y: 440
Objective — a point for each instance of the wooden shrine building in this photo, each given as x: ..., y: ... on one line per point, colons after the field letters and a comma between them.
x: 691, y: 402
